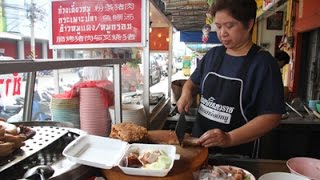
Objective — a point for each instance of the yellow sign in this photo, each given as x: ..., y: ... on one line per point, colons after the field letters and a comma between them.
x: 259, y: 6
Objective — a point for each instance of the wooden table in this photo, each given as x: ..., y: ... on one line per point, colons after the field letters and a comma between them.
x: 191, y: 159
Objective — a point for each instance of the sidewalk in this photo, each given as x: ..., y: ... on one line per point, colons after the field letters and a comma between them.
x: 179, y: 76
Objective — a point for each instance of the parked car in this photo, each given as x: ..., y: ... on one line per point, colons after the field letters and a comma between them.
x: 155, y: 71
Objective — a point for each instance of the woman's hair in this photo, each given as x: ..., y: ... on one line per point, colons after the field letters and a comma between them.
x: 241, y: 10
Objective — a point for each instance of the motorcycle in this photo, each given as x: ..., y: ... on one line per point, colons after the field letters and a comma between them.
x: 47, y: 94
x: 40, y: 110
x: 6, y: 111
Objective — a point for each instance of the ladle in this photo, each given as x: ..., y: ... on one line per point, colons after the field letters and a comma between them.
x: 42, y: 171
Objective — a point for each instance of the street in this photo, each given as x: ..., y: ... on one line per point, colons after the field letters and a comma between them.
x: 162, y: 86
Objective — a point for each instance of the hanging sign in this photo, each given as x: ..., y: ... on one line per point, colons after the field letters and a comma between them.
x: 97, y: 23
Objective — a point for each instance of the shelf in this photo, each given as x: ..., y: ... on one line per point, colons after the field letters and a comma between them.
x: 7, y: 67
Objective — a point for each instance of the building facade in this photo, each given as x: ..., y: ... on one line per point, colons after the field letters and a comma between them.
x: 15, y: 28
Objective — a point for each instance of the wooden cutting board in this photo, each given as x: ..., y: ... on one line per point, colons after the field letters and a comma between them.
x: 191, y: 159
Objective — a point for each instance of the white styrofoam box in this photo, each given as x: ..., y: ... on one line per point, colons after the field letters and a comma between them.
x: 96, y: 151
x: 105, y: 153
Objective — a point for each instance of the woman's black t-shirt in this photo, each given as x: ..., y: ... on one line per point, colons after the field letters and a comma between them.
x: 263, y: 87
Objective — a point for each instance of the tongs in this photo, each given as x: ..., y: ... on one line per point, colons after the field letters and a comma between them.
x: 42, y: 172
x: 293, y: 109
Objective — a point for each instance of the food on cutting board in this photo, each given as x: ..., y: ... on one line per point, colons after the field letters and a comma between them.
x: 128, y: 132
x: 170, y: 137
x: 148, y: 159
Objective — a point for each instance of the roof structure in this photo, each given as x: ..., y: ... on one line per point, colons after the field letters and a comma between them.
x: 185, y: 15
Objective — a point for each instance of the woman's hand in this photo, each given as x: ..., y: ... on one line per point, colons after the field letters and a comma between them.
x: 184, y: 103
x: 215, y: 138
x: 185, y: 100
x: 246, y: 133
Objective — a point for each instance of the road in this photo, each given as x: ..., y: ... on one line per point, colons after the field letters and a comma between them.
x: 162, y: 86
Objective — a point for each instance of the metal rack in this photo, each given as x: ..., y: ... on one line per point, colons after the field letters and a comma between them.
x: 45, y: 148
x: 50, y: 64
x: 32, y: 66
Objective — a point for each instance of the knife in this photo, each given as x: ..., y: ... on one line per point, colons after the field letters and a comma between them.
x: 181, y: 127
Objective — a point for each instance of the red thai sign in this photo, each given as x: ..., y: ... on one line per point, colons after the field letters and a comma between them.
x: 97, y: 23
x: 11, y: 85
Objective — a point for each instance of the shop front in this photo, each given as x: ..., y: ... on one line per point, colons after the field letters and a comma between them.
x: 131, y: 75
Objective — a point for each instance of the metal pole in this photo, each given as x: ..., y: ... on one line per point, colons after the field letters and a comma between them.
x: 32, y: 40
x: 117, y: 94
x: 170, y: 57
x: 146, y: 69
x: 31, y: 78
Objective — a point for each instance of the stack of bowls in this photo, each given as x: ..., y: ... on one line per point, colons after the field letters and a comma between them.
x: 94, y: 118
x: 312, y: 104
x: 66, y: 110
x: 133, y: 113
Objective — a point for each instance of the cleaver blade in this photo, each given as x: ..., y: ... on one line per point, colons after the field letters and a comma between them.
x: 181, y: 127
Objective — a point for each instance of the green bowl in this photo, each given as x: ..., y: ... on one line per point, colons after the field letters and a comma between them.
x: 318, y: 107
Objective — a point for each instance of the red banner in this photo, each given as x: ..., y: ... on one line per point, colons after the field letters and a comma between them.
x: 96, y: 23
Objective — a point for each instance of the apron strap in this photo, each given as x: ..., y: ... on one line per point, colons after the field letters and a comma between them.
x: 248, y: 60
x: 221, y: 51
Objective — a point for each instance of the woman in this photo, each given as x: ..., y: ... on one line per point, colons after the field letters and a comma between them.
x: 239, y: 83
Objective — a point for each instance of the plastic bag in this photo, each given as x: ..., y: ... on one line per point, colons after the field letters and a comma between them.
x: 105, y: 92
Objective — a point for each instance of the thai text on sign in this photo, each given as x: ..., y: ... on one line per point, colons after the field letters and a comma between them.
x: 96, y: 21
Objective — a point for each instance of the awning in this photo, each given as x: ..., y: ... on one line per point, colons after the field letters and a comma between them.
x: 5, y: 35
x: 196, y: 37
x: 201, y: 48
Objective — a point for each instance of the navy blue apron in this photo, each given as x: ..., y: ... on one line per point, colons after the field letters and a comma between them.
x: 221, y: 103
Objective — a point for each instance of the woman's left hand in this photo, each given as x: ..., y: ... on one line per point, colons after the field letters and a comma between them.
x: 215, y: 137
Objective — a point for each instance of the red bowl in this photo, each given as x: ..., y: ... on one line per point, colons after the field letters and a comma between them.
x: 305, y: 166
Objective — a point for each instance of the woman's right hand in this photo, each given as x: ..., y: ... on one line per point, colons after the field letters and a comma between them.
x: 184, y: 103
x: 185, y: 100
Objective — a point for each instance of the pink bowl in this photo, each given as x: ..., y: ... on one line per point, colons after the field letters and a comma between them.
x: 304, y: 166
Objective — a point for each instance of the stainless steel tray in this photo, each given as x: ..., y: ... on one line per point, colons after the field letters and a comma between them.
x: 46, y: 134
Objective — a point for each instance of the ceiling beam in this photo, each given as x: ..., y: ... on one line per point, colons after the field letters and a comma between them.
x: 169, y: 3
